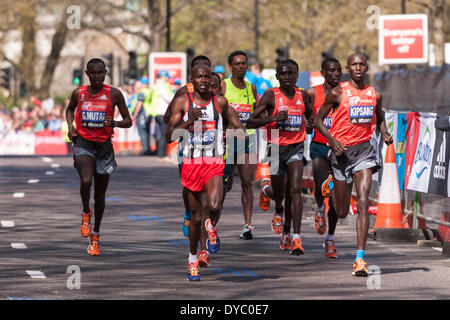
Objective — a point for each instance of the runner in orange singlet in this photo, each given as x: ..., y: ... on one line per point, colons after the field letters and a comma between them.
x: 332, y: 72
x: 357, y: 110
x: 284, y: 111
x: 92, y: 109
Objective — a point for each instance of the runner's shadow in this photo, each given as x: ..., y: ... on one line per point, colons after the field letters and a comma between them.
x: 246, y: 278
x: 401, y: 270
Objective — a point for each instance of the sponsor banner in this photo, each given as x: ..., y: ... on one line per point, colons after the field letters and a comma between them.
x: 400, y: 148
x: 50, y: 143
x: 172, y: 62
x: 420, y: 173
x: 17, y: 143
x: 440, y: 163
x: 412, y: 137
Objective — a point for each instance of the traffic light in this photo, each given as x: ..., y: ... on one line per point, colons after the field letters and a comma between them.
x: 132, y: 65
x: 190, y: 54
x: 4, y: 78
x: 22, y: 89
x: 282, y: 54
x: 77, y: 75
x: 109, y: 65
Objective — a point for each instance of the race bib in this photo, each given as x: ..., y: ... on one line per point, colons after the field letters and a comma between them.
x: 361, y: 114
x: 93, y: 119
x: 293, y: 123
x: 244, y: 111
x: 204, y: 133
x: 327, y: 122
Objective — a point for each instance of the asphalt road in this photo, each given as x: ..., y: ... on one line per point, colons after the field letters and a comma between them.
x: 144, y: 253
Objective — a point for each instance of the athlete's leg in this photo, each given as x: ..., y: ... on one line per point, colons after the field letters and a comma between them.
x: 195, y: 203
x: 85, y: 168
x: 247, y: 174
x: 295, y: 175
x: 341, y: 195
x: 320, y: 174
x: 100, y: 185
x: 363, y: 183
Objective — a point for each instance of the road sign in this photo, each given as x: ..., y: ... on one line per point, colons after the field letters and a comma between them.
x: 172, y: 62
x: 403, y: 39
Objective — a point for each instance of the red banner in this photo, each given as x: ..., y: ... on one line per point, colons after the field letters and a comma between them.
x: 50, y: 143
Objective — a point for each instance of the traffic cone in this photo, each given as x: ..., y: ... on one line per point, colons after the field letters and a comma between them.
x: 262, y: 171
x: 389, y: 214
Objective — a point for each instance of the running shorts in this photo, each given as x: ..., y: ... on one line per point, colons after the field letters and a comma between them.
x: 101, y: 152
x: 286, y: 154
x: 195, y: 175
x: 318, y: 150
x: 355, y: 158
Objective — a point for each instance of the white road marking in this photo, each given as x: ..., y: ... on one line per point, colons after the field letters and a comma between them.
x: 31, y: 181
x: 36, y: 274
x: 49, y: 173
x: 55, y: 165
x: 47, y: 159
x: 8, y: 223
x: 18, y: 194
x: 18, y: 245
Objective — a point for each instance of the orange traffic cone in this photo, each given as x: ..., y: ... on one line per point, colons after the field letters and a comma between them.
x: 389, y: 214
x: 262, y: 171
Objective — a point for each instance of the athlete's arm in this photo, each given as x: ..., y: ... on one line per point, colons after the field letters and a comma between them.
x: 180, y: 92
x: 118, y: 100
x: 70, y: 115
x: 381, y: 122
x: 261, y: 115
x: 175, y: 119
x: 309, y: 112
x: 332, y: 101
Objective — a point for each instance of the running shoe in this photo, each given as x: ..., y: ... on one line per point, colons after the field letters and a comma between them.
x: 277, y: 223
x: 86, y: 227
x: 330, y: 249
x: 193, y: 273
x: 359, y: 268
x: 94, y: 245
x: 186, y: 221
x: 286, y: 241
x: 327, y: 186
x: 247, y: 232
x: 213, y: 241
x: 319, y: 221
x: 263, y: 200
x: 297, y: 248
x: 203, y: 259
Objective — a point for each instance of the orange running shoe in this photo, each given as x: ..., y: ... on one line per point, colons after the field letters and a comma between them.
x: 319, y: 221
x: 86, y: 227
x: 193, y: 273
x: 327, y: 186
x: 94, y: 245
x: 330, y: 249
x: 213, y: 241
x: 297, y: 248
x: 359, y: 268
x: 286, y: 241
x: 277, y: 223
x: 203, y: 259
x: 263, y: 200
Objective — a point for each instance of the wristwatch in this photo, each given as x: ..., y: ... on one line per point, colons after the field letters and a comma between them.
x: 115, y: 124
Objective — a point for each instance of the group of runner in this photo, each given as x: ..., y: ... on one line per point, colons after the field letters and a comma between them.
x: 215, y: 122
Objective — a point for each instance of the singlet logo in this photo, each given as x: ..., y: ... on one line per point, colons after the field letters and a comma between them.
x: 423, y: 155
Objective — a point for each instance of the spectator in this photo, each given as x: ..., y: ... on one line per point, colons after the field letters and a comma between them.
x: 48, y: 103
x: 220, y: 70
x: 162, y: 96
x: 257, y: 79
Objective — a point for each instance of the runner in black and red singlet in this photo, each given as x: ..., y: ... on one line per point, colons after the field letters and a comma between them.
x: 284, y: 112
x: 199, y: 120
x: 357, y: 110
x: 92, y: 109
x: 332, y: 72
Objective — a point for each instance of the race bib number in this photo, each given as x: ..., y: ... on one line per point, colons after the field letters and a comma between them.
x: 204, y: 133
x: 93, y: 119
x: 244, y: 111
x: 293, y: 123
x: 361, y: 114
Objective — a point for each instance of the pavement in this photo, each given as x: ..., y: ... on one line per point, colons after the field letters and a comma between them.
x: 144, y: 253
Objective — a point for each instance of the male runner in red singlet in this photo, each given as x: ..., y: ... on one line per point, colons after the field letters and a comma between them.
x: 286, y: 110
x: 357, y: 110
x: 181, y: 92
x: 332, y: 72
x: 92, y: 109
x: 203, y: 117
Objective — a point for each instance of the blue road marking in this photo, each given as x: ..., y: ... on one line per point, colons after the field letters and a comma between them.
x: 155, y: 218
x: 139, y: 218
x: 115, y: 199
